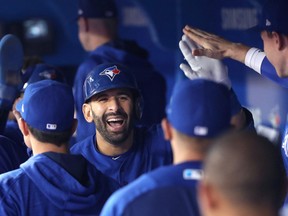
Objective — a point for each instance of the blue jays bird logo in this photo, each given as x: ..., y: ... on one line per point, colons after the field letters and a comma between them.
x: 110, y: 72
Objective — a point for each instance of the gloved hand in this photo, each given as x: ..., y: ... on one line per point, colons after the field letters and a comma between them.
x: 201, y: 66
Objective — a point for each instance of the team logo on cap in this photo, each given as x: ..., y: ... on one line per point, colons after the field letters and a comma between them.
x: 48, y: 74
x: 80, y: 12
x: 110, y: 72
x: 268, y: 23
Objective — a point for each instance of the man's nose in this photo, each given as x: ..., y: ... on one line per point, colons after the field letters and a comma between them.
x: 113, y: 104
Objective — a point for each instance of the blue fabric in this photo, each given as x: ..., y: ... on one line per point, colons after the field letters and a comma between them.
x: 11, y: 154
x: 42, y: 187
x: 151, y: 84
x: 284, y: 149
x: 268, y: 70
x: 200, y: 108
x: 13, y: 132
x: 165, y: 191
x: 149, y: 151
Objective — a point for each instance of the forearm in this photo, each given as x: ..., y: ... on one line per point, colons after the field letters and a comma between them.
x: 237, y: 51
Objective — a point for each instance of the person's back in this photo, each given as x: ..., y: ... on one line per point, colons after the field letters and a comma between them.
x: 98, y: 35
x: 52, y: 181
x: 47, y: 185
x: 199, y: 110
x: 244, y: 175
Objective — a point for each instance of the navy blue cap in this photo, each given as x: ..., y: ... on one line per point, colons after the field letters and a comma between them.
x: 47, y: 105
x: 200, y: 108
x: 39, y: 72
x: 109, y: 76
x: 274, y: 17
x: 97, y: 9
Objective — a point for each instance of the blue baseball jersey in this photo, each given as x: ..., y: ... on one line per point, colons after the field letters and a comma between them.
x: 169, y: 190
x: 12, y: 154
x: 54, y: 184
x: 268, y: 70
x: 284, y: 149
x: 148, y: 152
x: 152, y: 84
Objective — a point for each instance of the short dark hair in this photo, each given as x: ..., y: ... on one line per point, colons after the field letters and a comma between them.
x: 56, y: 138
x: 247, y: 168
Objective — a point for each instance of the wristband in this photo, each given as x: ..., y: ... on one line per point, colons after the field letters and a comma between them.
x: 254, y: 58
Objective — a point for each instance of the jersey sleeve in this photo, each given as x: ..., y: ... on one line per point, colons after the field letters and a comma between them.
x: 257, y: 60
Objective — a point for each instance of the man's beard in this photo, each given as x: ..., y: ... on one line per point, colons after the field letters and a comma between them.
x: 114, y: 138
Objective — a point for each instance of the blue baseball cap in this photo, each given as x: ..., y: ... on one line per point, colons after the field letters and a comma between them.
x: 199, y: 108
x: 39, y: 72
x: 108, y: 76
x: 97, y: 9
x: 48, y: 105
x: 274, y: 17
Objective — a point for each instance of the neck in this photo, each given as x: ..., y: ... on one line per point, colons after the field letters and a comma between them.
x: 248, y: 211
x: 97, y: 41
x: 189, y: 150
x: 185, y: 156
x: 39, y: 148
x: 111, y: 149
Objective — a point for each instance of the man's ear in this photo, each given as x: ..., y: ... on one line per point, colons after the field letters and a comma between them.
x: 87, y: 112
x: 167, y: 130
x: 280, y: 40
x: 207, y: 197
x: 21, y: 123
x: 23, y: 126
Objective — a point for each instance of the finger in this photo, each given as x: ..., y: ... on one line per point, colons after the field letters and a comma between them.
x: 199, y: 33
x: 186, y: 51
x: 189, y: 73
x: 194, y: 37
x: 192, y: 45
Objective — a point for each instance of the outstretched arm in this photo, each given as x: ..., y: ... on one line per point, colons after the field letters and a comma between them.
x: 217, y: 47
x: 214, y: 46
x: 213, y: 69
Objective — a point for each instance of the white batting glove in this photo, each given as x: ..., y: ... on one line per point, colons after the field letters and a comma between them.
x: 202, y: 66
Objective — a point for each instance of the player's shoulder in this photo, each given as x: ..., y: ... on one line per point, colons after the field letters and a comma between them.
x: 82, y: 145
x: 10, y: 180
x: 117, y: 204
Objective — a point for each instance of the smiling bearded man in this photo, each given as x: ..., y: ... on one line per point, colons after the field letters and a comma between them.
x: 120, y: 148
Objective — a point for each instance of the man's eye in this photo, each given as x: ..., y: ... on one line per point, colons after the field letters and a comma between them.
x: 123, y: 97
x: 102, y: 99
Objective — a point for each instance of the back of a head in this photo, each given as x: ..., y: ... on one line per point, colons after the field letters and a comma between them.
x: 97, y: 9
x: 41, y: 71
x: 274, y: 17
x: 199, y: 108
x: 247, y: 170
x: 48, y: 106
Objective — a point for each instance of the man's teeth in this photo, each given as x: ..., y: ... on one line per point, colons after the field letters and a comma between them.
x: 115, y: 121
